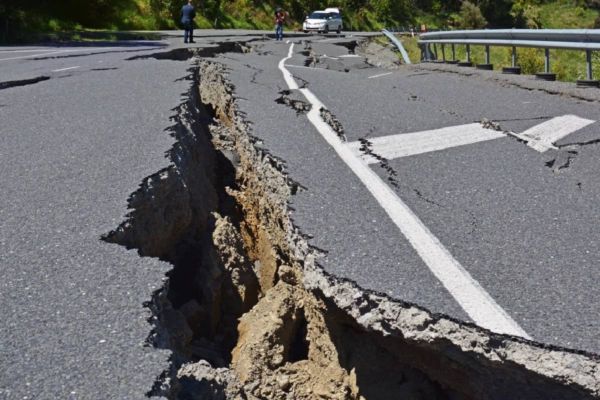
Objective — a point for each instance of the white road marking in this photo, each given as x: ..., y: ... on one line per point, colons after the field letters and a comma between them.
x: 403, y: 145
x: 539, y: 137
x: 56, y: 52
x: 350, y: 56
x: 380, y: 75
x: 65, y: 69
x: 543, y: 136
x: 25, y: 51
x: 476, y: 302
x: 34, y: 55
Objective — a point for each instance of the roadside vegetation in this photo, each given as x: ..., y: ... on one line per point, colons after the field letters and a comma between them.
x: 26, y: 19
x: 35, y: 20
x: 568, y: 65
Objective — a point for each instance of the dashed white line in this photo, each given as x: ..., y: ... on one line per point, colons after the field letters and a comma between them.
x: 408, y: 144
x: 473, y: 298
x: 65, y: 69
x: 541, y: 137
x: 379, y: 75
x: 350, y: 56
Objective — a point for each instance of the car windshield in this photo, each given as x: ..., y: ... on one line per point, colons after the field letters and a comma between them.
x: 318, y: 15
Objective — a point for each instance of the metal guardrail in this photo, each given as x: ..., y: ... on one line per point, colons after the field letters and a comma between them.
x: 587, y: 40
x: 398, y: 45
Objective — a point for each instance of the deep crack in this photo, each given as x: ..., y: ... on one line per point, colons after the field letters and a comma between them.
x: 23, y: 82
x: 248, y: 313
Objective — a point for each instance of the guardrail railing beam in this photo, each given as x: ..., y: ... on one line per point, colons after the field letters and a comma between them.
x: 587, y: 40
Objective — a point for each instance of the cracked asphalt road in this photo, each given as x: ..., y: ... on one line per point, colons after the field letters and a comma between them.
x: 524, y: 231
x: 76, y: 145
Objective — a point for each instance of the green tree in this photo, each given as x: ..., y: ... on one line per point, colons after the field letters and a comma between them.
x: 526, y: 15
x: 470, y: 16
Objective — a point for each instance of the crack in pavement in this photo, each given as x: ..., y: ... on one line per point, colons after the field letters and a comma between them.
x: 22, y: 82
x: 367, y: 149
x: 293, y: 100
x: 564, y: 154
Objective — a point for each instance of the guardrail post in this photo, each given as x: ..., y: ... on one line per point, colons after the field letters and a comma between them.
x: 443, y: 52
x: 435, y: 51
x: 588, y: 60
x: 589, y: 82
x: 468, y: 62
x: 546, y: 75
x: 486, y: 66
x: 513, y: 69
x: 513, y: 57
x: 453, y: 53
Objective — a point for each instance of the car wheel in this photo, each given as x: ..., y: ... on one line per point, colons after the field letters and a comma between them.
x: 339, y: 29
x: 326, y: 29
x: 305, y: 31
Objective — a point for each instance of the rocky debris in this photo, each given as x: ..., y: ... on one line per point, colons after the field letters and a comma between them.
x: 488, y: 124
x: 295, y: 100
x: 200, y: 381
x: 378, y: 55
x: 333, y: 122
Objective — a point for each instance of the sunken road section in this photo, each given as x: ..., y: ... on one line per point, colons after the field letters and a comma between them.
x: 248, y: 313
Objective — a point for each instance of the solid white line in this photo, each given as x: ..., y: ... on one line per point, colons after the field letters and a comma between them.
x: 25, y: 51
x: 380, y: 75
x: 350, y: 56
x: 64, y: 69
x: 58, y: 52
x: 543, y: 136
x: 34, y: 55
x: 287, y: 76
x: 408, y: 144
x: 468, y: 293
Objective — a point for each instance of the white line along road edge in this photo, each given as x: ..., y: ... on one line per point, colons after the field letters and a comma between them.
x: 65, y: 69
x: 476, y: 302
x: 379, y: 75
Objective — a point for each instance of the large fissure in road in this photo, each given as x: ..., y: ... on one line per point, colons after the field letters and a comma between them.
x: 248, y: 313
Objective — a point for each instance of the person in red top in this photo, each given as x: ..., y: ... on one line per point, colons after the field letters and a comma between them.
x: 279, y: 21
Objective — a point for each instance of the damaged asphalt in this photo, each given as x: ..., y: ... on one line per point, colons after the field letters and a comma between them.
x: 74, y: 149
x: 525, y: 231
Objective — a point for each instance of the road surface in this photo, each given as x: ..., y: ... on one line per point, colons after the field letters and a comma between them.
x: 510, y: 215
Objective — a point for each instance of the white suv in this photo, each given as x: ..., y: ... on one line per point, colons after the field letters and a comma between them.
x: 324, y: 21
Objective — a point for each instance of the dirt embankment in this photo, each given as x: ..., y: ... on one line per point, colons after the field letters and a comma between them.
x: 248, y: 314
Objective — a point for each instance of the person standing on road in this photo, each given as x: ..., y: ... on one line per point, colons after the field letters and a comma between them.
x: 279, y: 21
x: 188, y: 13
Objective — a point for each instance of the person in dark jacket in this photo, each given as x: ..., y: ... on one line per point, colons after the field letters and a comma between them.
x: 279, y: 21
x: 188, y: 13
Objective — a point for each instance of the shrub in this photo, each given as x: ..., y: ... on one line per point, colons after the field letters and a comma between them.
x: 471, y: 17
